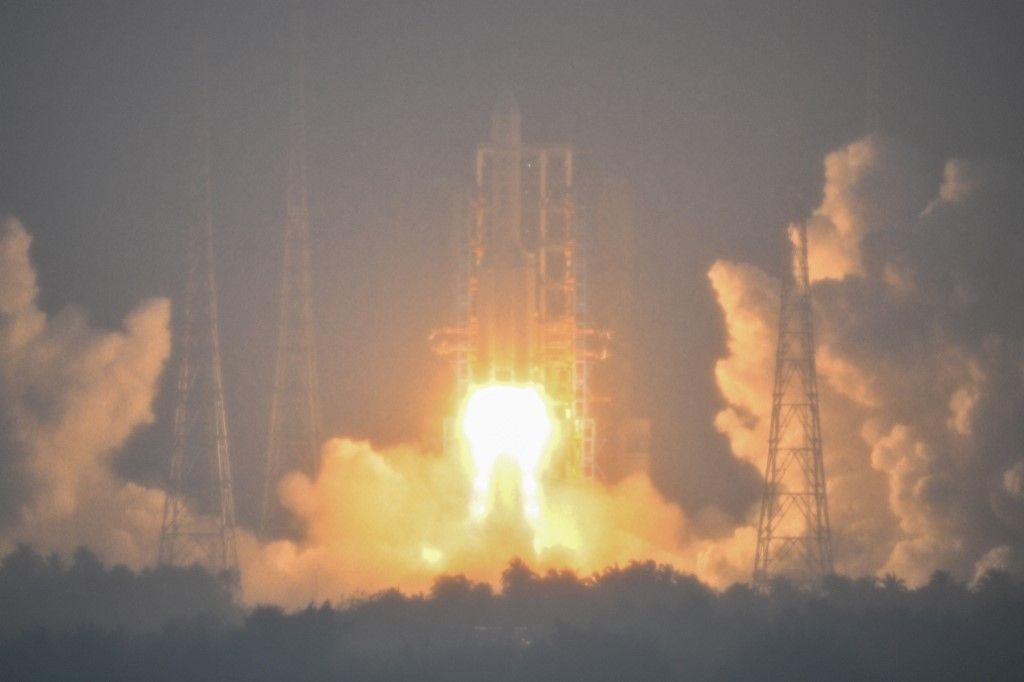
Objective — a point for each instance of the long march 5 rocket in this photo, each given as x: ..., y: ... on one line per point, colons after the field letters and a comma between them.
x: 521, y: 289
x: 506, y: 300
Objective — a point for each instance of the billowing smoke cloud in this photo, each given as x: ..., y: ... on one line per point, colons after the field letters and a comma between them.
x: 399, y: 518
x: 918, y: 307
x: 69, y: 398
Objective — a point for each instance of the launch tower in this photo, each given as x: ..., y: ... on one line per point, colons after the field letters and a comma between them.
x: 294, y: 413
x: 199, y: 508
x: 793, y: 534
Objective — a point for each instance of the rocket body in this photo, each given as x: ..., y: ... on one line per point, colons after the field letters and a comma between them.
x: 507, y: 296
x: 508, y: 320
x: 518, y: 303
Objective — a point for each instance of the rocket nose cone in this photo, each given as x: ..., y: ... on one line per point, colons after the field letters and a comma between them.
x: 505, y: 122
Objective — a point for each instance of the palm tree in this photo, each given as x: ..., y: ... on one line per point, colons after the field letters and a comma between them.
x: 892, y: 583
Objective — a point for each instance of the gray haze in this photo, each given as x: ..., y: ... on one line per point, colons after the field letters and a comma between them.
x: 718, y: 114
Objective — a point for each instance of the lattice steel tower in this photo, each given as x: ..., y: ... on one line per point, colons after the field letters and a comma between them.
x: 294, y: 412
x: 199, y: 508
x: 793, y: 534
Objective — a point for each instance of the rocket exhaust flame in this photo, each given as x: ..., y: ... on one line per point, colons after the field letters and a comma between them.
x: 511, y: 423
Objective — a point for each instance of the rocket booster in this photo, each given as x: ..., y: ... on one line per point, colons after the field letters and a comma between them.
x: 507, y: 296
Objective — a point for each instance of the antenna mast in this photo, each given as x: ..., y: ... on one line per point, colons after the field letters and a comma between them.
x: 294, y: 414
x: 794, y: 537
x: 200, y: 470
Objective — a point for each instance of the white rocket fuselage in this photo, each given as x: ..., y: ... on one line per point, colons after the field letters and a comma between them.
x: 507, y: 296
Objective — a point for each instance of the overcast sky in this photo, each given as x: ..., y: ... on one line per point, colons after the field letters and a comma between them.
x: 719, y: 114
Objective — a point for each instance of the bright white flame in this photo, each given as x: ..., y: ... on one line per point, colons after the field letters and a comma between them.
x: 431, y: 555
x: 506, y: 421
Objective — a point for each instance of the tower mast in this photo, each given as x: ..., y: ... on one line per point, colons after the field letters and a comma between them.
x: 793, y: 535
x: 294, y: 412
x: 200, y: 470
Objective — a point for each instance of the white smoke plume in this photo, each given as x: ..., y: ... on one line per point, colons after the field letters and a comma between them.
x: 70, y: 396
x: 918, y: 313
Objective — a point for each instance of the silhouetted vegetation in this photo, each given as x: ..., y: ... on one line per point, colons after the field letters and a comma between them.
x: 38, y: 592
x: 640, y: 622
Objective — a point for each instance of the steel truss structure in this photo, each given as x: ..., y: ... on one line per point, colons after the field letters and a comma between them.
x: 199, y: 508
x: 294, y: 436
x: 793, y: 535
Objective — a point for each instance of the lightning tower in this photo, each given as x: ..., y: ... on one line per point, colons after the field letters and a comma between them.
x: 294, y: 412
x: 793, y: 534
x: 199, y: 509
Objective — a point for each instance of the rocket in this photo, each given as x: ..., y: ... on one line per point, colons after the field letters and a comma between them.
x: 507, y: 296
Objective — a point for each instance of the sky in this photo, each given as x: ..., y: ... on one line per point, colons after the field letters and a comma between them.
x: 720, y: 115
